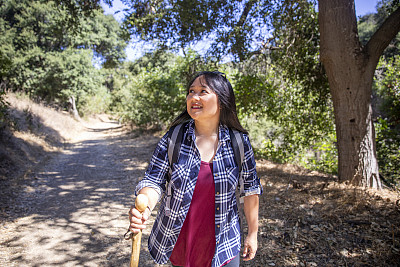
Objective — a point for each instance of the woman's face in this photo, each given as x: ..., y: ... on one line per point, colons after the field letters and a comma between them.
x: 202, y: 102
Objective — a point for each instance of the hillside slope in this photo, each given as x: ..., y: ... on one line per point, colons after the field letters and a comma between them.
x: 36, y: 135
x: 37, y: 132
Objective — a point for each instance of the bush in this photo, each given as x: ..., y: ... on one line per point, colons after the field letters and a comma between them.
x: 387, y: 86
x: 388, y: 151
x: 4, y: 120
x: 151, y: 91
x: 295, y: 124
x: 323, y: 156
x: 155, y: 98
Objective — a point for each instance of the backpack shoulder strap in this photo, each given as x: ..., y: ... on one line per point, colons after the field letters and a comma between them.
x: 238, y: 146
x: 237, y: 141
x: 238, y: 151
x: 175, y: 136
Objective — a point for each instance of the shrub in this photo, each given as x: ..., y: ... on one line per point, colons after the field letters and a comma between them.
x: 387, y: 86
x: 388, y: 151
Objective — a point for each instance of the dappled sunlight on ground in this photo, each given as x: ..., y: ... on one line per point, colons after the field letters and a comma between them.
x: 309, y: 219
x: 72, y: 210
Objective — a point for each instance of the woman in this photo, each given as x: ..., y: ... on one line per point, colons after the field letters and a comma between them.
x: 198, y: 224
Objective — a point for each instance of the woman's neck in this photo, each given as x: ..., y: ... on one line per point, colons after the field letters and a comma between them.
x: 206, y: 128
x: 206, y: 139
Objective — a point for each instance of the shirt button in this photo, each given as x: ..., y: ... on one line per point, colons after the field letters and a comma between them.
x: 217, y: 208
x: 217, y: 226
x: 217, y: 193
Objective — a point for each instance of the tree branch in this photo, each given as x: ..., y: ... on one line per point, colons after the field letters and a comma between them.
x: 383, y: 36
x: 245, y: 13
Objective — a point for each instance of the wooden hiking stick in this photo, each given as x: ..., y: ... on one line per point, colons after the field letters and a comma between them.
x: 140, y: 204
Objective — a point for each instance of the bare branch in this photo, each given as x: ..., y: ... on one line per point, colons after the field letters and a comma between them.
x: 383, y: 36
x: 245, y: 13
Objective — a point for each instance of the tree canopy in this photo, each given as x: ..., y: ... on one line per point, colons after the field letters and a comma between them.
x: 47, y: 59
x: 231, y: 27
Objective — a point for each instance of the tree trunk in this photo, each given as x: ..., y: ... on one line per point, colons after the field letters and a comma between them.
x: 72, y: 108
x: 350, y: 73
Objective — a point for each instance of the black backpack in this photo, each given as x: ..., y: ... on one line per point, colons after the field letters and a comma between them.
x: 175, y: 136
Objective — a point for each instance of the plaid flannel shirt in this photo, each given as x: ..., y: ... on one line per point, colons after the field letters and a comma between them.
x: 183, y: 179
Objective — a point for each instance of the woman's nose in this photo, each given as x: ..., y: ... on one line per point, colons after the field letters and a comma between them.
x: 196, y: 97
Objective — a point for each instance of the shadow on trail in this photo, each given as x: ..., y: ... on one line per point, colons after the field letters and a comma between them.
x: 75, y: 210
x: 96, y: 130
x: 76, y: 213
x: 19, y: 156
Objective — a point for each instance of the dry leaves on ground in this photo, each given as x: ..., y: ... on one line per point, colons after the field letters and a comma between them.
x: 309, y: 219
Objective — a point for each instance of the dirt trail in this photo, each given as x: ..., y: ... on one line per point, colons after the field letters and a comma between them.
x: 74, y: 212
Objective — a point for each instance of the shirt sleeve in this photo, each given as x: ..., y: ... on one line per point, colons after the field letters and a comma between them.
x: 251, y: 182
x: 157, y: 171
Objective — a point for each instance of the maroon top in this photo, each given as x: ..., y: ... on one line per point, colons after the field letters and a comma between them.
x: 196, y: 242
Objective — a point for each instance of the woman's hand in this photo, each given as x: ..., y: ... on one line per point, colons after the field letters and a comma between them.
x: 251, y: 204
x: 138, y: 221
x: 250, y: 247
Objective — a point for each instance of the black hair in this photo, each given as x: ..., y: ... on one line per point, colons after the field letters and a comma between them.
x: 217, y: 82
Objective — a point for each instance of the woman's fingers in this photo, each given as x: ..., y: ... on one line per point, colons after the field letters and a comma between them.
x: 248, y: 254
x: 245, y: 251
x: 250, y: 247
x: 134, y: 213
x: 146, y: 214
x: 136, y: 228
x: 137, y: 220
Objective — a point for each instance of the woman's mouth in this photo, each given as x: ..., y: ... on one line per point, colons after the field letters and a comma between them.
x: 196, y: 106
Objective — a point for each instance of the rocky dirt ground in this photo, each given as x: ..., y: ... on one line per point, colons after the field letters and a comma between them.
x: 71, y: 210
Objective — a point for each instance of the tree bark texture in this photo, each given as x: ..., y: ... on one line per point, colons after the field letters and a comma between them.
x: 350, y: 76
x: 350, y: 68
